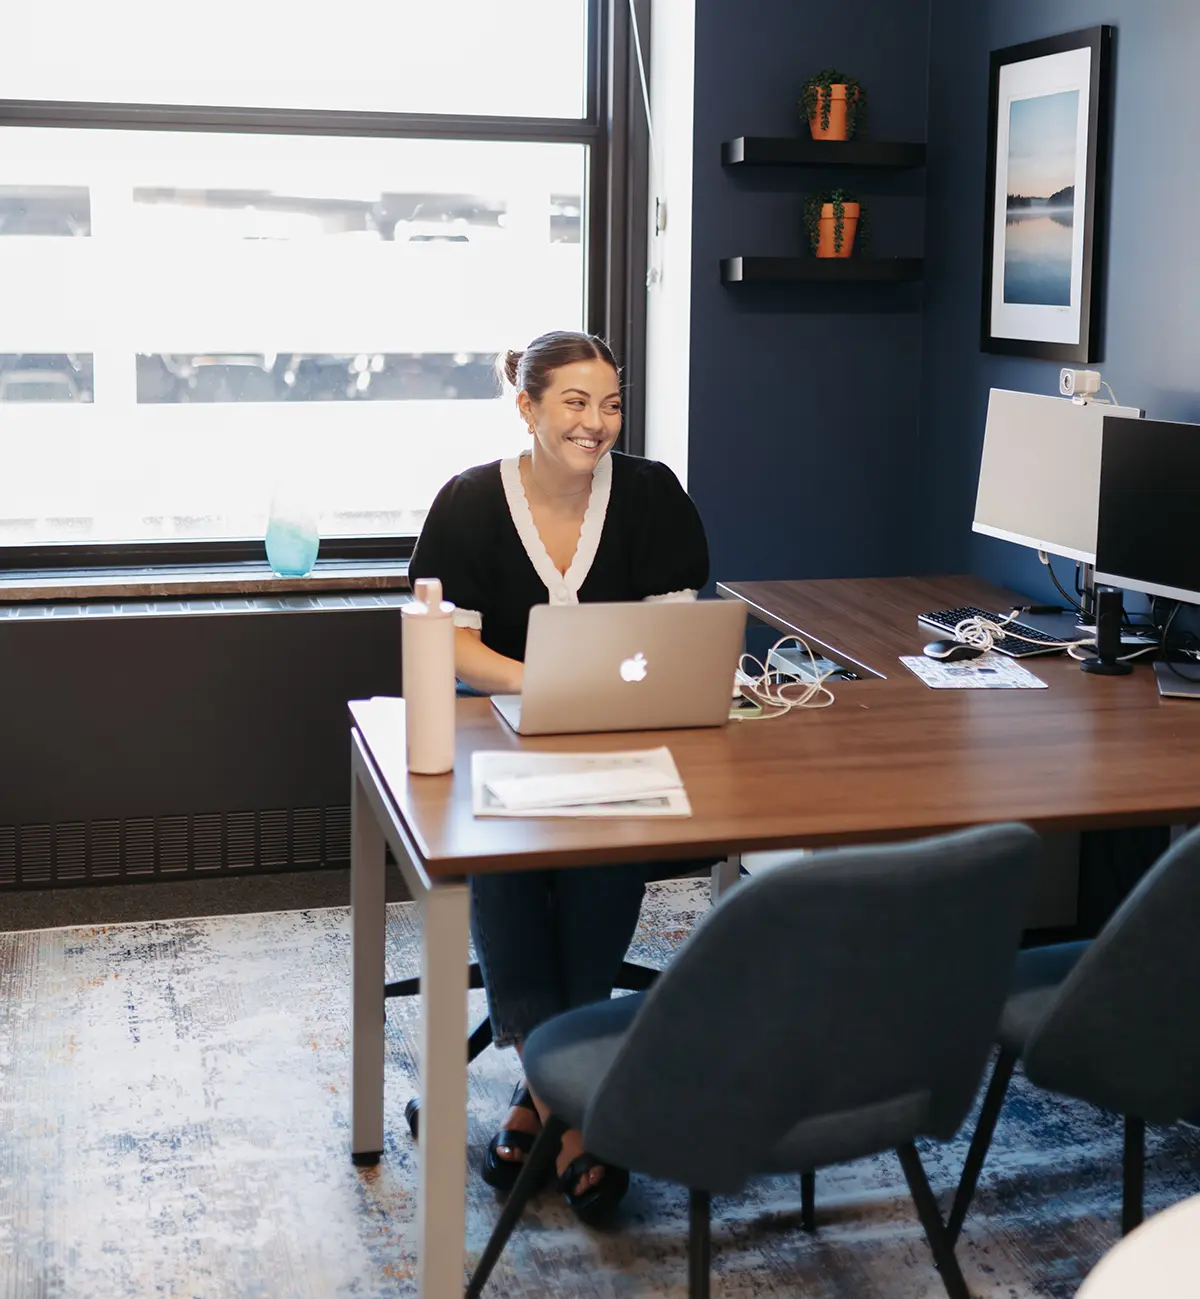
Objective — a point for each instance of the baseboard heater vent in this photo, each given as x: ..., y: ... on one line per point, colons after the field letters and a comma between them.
x: 173, y: 847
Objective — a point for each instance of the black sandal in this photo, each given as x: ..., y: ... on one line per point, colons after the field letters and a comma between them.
x: 596, y: 1205
x: 503, y: 1173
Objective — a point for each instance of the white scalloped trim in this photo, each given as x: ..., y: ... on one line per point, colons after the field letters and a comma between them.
x: 670, y: 597
x: 562, y: 588
x: 469, y: 618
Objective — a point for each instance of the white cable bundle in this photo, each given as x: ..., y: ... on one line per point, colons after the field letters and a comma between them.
x: 983, y: 633
x: 814, y: 693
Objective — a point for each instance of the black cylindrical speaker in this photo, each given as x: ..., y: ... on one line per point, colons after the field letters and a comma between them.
x: 1108, y: 635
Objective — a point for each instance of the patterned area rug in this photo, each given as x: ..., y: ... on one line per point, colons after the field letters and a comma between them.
x: 173, y: 1121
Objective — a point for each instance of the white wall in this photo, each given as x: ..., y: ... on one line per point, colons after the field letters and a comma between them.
x: 669, y: 305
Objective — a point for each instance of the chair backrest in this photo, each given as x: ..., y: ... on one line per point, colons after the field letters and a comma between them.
x: 849, y: 978
x: 1124, y: 1030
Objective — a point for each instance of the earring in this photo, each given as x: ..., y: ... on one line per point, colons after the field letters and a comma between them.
x: 532, y: 430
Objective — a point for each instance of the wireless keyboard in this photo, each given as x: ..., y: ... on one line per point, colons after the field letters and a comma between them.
x: 1040, y: 642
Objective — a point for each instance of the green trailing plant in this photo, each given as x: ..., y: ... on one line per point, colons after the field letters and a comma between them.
x: 856, y: 98
x: 838, y: 198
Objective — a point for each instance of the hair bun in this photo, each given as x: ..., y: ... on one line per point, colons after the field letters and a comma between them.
x: 533, y: 369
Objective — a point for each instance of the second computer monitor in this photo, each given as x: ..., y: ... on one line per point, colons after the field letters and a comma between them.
x: 1148, y: 537
x: 1039, y: 480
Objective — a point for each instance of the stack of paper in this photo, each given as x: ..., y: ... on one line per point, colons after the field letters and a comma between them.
x: 642, y: 782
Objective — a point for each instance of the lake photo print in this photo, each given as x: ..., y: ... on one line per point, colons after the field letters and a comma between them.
x: 1040, y: 212
x: 1049, y: 120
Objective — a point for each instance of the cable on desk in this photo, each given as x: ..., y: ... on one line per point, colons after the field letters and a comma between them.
x: 774, y: 695
x: 983, y: 633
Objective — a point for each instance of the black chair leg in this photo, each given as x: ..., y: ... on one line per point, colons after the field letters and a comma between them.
x: 533, y: 1173
x: 412, y: 987
x: 699, y: 1243
x: 480, y: 1040
x: 808, y: 1201
x: 980, y: 1142
x: 1133, y: 1189
x: 931, y: 1221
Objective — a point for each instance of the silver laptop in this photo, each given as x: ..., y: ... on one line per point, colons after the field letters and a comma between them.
x: 641, y: 666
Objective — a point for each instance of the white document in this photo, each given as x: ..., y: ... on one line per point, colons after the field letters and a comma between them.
x: 642, y: 782
x: 988, y: 672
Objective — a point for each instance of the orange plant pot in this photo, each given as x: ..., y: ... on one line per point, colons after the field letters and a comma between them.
x: 838, y: 128
x: 827, y: 224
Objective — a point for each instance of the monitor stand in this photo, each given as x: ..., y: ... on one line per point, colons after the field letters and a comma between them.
x: 1087, y: 596
x: 1086, y: 622
x: 1108, y: 661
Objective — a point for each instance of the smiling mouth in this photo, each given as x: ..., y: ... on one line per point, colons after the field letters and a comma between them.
x: 586, y: 444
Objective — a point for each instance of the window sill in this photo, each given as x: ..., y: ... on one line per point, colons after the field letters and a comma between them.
x: 182, y: 583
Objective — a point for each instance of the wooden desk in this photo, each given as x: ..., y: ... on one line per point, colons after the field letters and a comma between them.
x: 1087, y: 753
x: 890, y: 759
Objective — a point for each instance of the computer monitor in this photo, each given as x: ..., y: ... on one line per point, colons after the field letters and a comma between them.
x: 1039, y: 479
x: 1148, y: 538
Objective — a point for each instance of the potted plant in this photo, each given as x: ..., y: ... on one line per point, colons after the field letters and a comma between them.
x: 834, y: 105
x: 835, y: 220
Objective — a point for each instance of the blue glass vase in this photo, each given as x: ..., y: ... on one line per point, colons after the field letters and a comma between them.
x: 293, y: 538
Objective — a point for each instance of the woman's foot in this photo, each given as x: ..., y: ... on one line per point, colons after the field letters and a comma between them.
x: 568, y: 1152
x: 522, y: 1117
x: 509, y: 1148
x: 593, y: 1189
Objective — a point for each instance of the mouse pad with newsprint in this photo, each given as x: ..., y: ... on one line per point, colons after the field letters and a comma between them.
x: 990, y: 672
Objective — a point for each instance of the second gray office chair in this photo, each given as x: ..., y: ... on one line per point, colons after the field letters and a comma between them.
x: 1115, y: 1022
x: 833, y: 1007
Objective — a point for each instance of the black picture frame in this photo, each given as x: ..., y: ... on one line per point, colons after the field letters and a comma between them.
x: 1028, y: 316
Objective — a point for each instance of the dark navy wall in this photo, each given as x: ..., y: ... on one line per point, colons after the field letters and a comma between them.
x: 1152, y: 313
x: 804, y: 398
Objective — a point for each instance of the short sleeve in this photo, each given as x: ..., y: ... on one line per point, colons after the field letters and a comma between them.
x: 671, y: 556
x: 451, y: 549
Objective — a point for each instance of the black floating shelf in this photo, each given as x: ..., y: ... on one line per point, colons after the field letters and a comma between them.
x: 821, y: 270
x: 799, y: 151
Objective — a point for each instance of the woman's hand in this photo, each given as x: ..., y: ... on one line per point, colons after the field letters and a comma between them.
x: 482, y: 668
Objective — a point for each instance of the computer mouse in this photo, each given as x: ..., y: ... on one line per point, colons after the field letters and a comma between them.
x: 949, y: 651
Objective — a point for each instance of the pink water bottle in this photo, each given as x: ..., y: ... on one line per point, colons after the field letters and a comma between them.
x: 427, y: 652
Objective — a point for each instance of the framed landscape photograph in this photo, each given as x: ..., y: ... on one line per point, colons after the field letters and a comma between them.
x: 1047, y: 179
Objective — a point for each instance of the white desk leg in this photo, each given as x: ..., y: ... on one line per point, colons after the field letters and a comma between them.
x: 725, y: 874
x: 443, y: 1188
x: 368, y: 924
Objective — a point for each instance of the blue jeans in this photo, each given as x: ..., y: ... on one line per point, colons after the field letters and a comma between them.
x: 551, y: 940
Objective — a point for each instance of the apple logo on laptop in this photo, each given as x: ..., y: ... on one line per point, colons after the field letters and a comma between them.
x: 634, y: 669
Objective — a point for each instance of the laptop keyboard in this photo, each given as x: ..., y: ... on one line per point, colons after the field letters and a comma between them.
x: 945, y: 620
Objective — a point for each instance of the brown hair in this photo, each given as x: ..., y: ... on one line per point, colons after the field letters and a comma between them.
x: 531, y: 370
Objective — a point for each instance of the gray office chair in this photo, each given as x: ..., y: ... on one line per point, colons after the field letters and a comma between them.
x: 1115, y: 1022
x: 827, y: 1009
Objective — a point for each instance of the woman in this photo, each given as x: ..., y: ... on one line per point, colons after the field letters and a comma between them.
x: 569, y: 520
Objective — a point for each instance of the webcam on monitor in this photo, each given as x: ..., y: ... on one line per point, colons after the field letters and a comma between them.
x: 1080, y: 384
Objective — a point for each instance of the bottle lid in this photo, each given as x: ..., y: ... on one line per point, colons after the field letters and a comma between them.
x: 427, y: 593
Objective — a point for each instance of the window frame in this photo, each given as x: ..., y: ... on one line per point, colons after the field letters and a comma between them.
x: 613, y: 131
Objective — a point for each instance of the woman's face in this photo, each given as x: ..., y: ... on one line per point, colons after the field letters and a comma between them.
x: 579, y: 416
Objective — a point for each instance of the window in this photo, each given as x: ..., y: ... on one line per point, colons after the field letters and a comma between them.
x: 309, y: 276
x: 519, y: 58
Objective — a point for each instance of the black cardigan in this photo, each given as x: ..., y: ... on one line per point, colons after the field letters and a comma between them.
x: 479, y: 540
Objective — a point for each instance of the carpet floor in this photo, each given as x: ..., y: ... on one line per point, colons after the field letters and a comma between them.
x: 174, y: 1122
